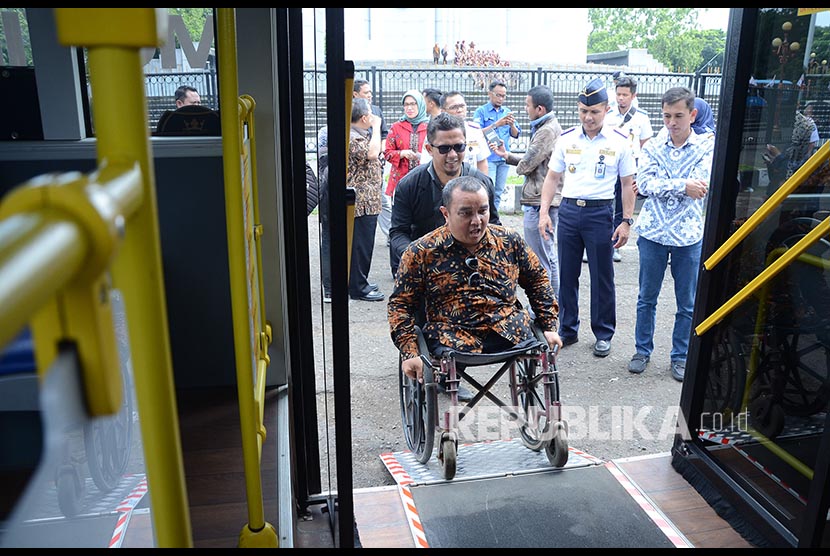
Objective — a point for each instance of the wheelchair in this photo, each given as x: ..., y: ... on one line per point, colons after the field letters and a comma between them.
x: 534, y: 397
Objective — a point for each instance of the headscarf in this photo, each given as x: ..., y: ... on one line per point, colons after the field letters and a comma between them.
x: 704, y: 121
x: 422, y: 115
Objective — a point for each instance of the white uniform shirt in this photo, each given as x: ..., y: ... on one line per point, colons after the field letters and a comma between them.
x: 578, y: 158
x: 637, y: 128
x: 477, y: 148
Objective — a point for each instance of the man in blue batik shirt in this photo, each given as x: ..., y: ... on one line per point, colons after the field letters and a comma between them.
x: 673, y: 174
x: 494, y: 115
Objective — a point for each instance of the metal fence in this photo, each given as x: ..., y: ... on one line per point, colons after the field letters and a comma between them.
x: 389, y: 86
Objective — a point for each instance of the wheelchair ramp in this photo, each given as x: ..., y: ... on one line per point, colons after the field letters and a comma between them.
x: 506, y: 496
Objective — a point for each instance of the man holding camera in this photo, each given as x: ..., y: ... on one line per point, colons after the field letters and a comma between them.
x: 493, y: 116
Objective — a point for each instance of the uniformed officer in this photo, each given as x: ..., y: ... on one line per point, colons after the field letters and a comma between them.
x: 592, y: 156
x: 632, y: 121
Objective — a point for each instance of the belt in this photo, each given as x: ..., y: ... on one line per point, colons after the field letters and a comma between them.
x: 588, y: 202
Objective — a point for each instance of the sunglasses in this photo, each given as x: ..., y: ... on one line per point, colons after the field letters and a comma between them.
x: 458, y: 147
x: 475, y: 279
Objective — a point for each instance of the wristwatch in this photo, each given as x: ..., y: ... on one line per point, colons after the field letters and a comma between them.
x: 629, y: 221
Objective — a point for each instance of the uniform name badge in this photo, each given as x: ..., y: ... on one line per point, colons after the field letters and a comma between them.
x: 599, y: 169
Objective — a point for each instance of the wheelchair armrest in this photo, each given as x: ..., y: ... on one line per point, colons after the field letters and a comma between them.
x: 422, y: 343
x: 540, y: 335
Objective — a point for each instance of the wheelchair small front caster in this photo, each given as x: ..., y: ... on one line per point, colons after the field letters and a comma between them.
x: 556, y: 449
x: 448, y: 455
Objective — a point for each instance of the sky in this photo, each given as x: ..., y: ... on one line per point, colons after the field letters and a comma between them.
x: 713, y: 18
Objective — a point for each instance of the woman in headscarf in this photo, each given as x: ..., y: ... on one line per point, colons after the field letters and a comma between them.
x: 406, y: 138
x: 704, y: 121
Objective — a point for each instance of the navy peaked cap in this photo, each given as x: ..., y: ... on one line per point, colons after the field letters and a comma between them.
x: 593, y: 93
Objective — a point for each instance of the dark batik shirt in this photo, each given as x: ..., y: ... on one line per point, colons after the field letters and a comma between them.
x: 461, y: 313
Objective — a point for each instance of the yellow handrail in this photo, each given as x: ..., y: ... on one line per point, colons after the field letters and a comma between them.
x: 60, y: 239
x: 793, y: 253
x: 113, y: 37
x: 793, y: 183
x: 241, y: 226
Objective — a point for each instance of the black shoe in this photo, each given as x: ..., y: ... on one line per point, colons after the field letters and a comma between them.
x: 373, y: 287
x: 464, y: 394
x: 371, y: 296
x: 570, y: 340
x: 602, y: 348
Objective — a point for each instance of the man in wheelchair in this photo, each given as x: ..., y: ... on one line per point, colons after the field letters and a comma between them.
x: 464, y: 275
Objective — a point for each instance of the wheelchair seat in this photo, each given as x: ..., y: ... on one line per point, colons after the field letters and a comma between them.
x: 478, y: 359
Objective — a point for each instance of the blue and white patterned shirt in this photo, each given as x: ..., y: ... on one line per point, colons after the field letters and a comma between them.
x: 669, y: 216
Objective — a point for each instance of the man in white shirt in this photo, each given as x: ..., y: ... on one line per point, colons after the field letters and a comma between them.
x: 477, y: 150
x: 633, y: 122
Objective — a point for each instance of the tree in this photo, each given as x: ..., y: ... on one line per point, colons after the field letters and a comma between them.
x: 670, y: 35
x: 5, y: 53
x: 194, y: 19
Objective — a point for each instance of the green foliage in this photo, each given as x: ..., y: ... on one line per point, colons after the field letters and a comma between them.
x: 24, y: 32
x: 670, y: 35
x: 821, y: 43
x: 194, y: 20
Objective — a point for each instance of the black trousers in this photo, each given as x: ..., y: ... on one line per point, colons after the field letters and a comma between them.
x: 363, y: 245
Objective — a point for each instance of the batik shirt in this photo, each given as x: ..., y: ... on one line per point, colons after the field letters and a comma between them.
x: 669, y: 216
x: 364, y: 175
x: 461, y: 312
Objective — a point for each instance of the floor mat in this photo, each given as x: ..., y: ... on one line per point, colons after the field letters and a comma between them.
x: 506, y: 496
x: 477, y: 460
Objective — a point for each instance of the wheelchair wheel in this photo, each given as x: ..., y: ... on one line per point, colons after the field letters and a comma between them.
x: 70, y: 490
x: 108, y: 442
x: 418, y: 412
x: 449, y: 457
x: 726, y: 378
x: 766, y: 416
x: 529, y: 400
x: 556, y: 449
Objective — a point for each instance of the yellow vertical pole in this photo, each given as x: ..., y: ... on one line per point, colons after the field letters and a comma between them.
x: 257, y: 533
x: 114, y: 36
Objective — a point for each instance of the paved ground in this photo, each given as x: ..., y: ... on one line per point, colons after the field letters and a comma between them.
x: 611, y: 412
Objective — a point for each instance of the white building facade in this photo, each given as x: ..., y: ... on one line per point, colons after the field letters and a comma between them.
x: 547, y: 36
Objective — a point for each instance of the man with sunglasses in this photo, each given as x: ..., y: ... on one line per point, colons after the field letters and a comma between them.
x: 477, y: 150
x: 464, y: 275
x: 417, y: 207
